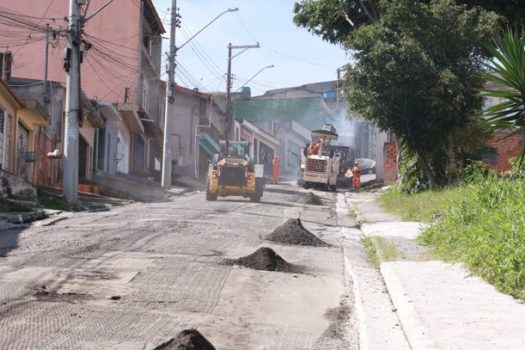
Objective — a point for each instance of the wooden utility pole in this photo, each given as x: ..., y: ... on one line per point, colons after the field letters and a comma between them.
x: 228, y: 134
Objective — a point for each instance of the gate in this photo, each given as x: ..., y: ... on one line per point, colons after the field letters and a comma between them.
x: 24, y: 158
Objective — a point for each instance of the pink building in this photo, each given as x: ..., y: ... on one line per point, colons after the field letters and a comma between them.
x: 121, y: 63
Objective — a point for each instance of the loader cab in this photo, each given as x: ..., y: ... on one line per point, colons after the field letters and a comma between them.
x: 235, y: 149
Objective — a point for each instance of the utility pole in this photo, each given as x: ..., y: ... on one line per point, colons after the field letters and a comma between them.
x: 46, y: 89
x: 337, y: 90
x: 170, y: 102
x: 73, y: 109
x: 170, y: 91
x: 229, y: 108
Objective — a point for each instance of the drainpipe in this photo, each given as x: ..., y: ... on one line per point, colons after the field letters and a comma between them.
x: 140, y: 82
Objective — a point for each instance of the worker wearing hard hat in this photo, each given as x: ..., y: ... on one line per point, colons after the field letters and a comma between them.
x: 275, y: 169
x: 356, y: 171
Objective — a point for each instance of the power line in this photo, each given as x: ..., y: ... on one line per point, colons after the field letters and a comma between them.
x: 112, y: 90
x: 43, y: 17
x: 203, y: 57
x: 243, y: 25
x: 190, y: 77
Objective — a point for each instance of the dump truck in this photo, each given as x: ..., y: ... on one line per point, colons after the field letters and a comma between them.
x: 233, y: 173
x: 320, y: 169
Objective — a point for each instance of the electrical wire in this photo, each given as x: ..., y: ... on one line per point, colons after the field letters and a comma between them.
x: 19, y: 30
x: 201, y: 54
x: 43, y: 17
x: 104, y: 74
x: 195, y: 82
x: 277, y: 52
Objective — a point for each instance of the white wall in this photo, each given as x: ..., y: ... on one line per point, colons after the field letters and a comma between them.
x: 123, y: 149
x: 185, y: 121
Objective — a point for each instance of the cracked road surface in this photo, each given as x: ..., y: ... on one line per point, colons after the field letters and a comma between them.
x: 134, y: 277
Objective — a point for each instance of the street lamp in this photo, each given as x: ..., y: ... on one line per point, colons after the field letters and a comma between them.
x: 256, y: 74
x: 170, y: 91
x: 229, y: 112
x: 207, y: 25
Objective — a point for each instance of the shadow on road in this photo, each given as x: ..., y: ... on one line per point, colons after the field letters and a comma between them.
x: 290, y: 191
x: 231, y: 200
x: 9, y: 237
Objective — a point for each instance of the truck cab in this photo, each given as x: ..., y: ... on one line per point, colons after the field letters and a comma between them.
x: 320, y: 163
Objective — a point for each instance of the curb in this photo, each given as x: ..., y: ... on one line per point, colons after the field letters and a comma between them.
x: 415, y: 331
x: 24, y: 218
x: 360, y: 316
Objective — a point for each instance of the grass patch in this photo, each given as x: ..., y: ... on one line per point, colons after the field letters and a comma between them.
x: 387, y: 251
x: 7, y: 206
x: 485, y: 229
x: 52, y: 201
x: 371, y: 252
x: 424, y: 206
x: 378, y: 250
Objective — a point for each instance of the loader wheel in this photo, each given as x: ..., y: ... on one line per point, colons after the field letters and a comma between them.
x: 210, y: 196
x: 333, y: 188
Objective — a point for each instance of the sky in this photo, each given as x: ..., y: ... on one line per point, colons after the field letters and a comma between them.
x: 298, y: 56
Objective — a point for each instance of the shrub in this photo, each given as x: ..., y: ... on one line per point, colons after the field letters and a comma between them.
x: 473, y: 172
x: 485, y: 229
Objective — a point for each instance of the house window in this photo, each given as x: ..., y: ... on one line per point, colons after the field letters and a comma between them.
x: 147, y: 43
x: 2, y: 118
x: 489, y: 155
x: 275, y: 127
x: 2, y: 137
x: 145, y: 98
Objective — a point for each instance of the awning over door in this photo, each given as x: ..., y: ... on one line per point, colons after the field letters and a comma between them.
x: 208, y: 144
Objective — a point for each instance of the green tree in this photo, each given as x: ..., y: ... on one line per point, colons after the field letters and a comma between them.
x: 336, y: 20
x: 416, y: 74
x: 507, y: 75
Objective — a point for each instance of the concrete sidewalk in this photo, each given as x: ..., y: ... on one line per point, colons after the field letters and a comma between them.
x: 440, y: 305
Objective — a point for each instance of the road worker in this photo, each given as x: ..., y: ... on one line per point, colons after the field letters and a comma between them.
x: 275, y: 169
x: 315, y: 146
x: 356, y: 171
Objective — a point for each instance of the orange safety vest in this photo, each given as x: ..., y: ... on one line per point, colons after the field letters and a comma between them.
x: 356, y: 182
x: 275, y: 169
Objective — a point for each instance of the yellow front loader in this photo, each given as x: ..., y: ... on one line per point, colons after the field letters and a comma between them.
x: 232, y: 173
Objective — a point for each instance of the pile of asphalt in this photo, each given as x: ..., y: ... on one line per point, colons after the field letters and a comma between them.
x: 311, y: 199
x: 188, y: 339
x: 292, y: 232
x: 265, y: 259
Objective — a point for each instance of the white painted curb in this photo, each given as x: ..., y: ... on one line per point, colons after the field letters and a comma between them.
x: 360, y: 317
x: 415, y: 331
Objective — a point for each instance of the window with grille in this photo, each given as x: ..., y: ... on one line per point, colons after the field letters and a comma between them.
x: 2, y: 121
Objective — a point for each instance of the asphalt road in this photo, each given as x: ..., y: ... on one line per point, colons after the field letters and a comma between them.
x: 134, y: 277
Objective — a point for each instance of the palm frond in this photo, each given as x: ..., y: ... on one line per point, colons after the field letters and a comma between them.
x: 507, y: 69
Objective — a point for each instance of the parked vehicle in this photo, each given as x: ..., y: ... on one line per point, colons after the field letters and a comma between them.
x: 368, y: 171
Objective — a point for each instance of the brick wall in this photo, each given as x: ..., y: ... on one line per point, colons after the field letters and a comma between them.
x: 505, y: 148
x: 390, y: 163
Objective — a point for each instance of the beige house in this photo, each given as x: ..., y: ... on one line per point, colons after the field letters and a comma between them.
x: 19, y: 120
